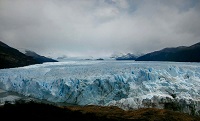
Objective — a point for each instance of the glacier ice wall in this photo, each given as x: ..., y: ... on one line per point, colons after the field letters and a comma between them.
x: 129, y: 85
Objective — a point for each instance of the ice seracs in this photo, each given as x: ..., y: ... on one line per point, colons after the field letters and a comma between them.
x: 129, y: 85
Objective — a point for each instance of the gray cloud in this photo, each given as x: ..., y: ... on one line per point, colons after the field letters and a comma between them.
x: 98, y: 27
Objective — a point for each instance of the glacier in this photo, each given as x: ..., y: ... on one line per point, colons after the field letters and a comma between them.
x: 126, y: 84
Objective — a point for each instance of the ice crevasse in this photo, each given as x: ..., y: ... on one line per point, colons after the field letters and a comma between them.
x: 128, y: 85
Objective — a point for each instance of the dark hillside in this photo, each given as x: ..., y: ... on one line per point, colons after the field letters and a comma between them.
x: 39, y: 111
x: 39, y: 58
x: 178, y: 54
x: 10, y: 57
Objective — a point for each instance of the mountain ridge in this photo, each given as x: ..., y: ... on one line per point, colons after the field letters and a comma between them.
x: 176, y: 54
x: 38, y: 58
x: 11, y: 57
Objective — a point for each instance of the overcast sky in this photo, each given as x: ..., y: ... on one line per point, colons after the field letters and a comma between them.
x: 98, y: 27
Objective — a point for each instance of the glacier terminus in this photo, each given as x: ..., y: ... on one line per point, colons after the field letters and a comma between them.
x: 126, y: 84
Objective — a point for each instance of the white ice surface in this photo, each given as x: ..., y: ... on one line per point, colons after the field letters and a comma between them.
x: 123, y: 83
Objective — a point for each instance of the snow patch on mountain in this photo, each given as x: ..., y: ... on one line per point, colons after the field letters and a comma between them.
x: 128, y: 56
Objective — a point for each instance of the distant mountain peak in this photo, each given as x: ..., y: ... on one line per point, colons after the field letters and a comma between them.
x: 62, y: 57
x: 39, y: 58
x: 128, y: 56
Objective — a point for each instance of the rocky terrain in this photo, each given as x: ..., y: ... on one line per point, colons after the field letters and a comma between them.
x: 39, y: 111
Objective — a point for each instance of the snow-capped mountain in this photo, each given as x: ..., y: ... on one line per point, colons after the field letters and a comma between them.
x: 128, y: 56
x: 129, y: 85
x: 115, y: 55
x: 62, y: 57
